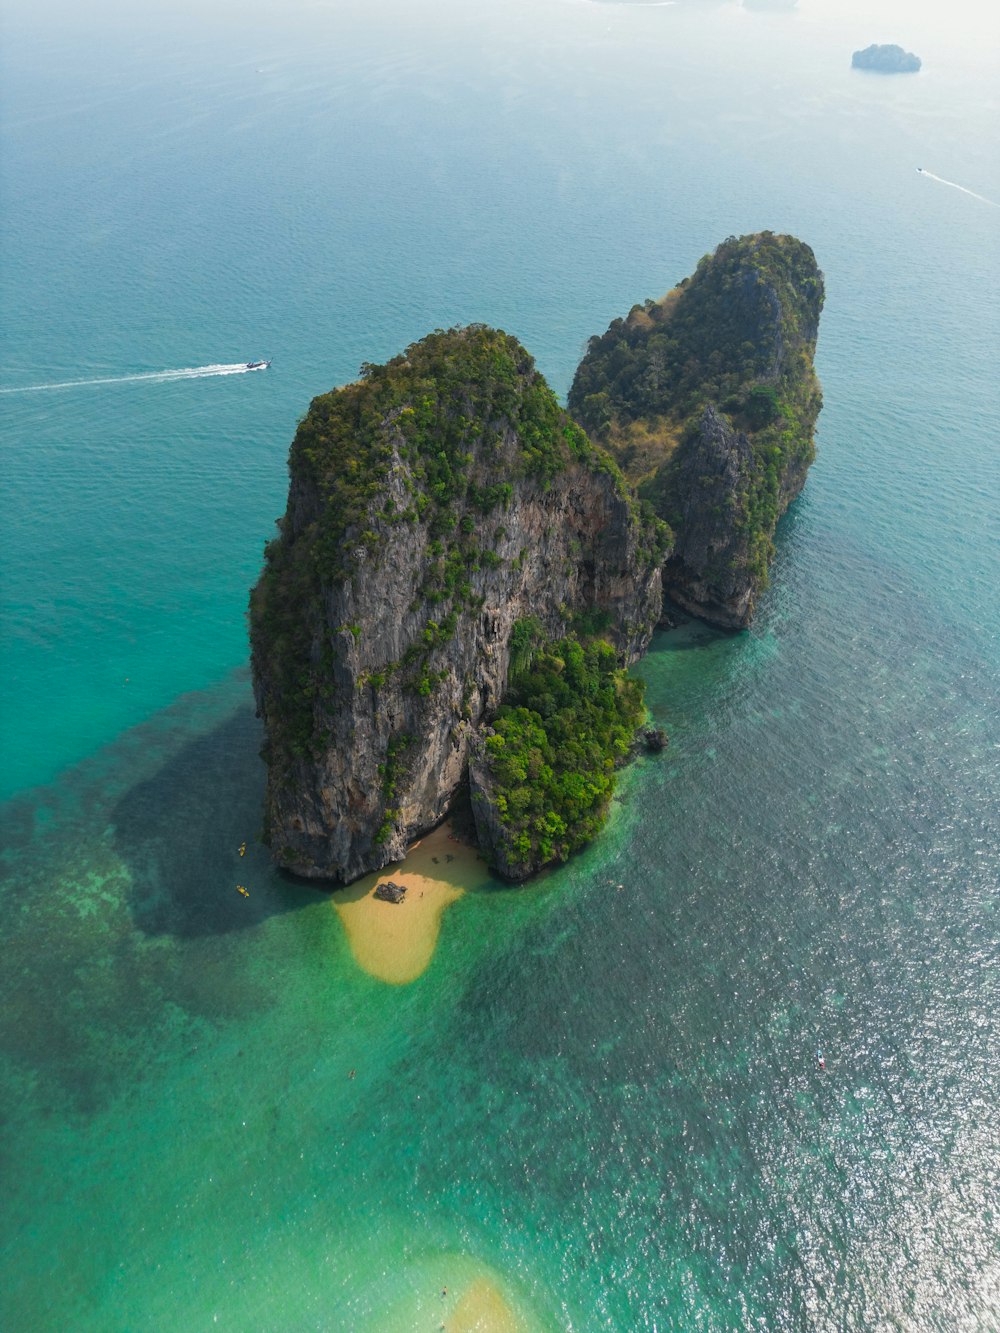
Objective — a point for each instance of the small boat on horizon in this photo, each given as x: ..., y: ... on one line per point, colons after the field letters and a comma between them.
x: 257, y: 365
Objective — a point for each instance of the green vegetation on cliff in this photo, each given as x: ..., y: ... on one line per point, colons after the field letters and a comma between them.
x: 427, y: 407
x: 567, y: 721
x: 735, y: 334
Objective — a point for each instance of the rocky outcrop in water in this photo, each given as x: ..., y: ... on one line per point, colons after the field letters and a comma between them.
x: 432, y: 505
x: 708, y: 399
x: 888, y: 59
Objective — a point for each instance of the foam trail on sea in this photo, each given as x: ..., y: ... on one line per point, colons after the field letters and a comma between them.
x: 981, y: 197
x: 154, y: 376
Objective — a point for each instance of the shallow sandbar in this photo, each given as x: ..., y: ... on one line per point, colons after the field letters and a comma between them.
x: 395, y: 941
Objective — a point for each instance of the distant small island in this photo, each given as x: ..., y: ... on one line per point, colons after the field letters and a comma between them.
x: 886, y: 60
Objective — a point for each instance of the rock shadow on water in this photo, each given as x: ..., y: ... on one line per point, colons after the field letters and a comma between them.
x: 180, y: 833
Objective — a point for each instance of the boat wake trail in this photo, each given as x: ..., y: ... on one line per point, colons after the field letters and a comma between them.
x: 150, y: 377
x: 941, y: 181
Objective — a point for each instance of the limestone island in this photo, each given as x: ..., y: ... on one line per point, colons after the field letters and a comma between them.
x: 889, y: 59
x: 463, y: 573
x: 708, y: 401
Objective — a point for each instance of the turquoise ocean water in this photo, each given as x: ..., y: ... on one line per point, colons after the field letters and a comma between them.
x: 606, y: 1099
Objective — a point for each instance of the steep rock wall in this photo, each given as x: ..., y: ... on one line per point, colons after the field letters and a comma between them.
x: 715, y: 483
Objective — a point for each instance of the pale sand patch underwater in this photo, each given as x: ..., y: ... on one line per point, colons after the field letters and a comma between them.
x: 482, y: 1309
x: 395, y: 942
x: 448, y: 1291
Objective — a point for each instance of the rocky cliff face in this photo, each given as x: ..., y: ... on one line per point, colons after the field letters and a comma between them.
x: 431, y: 506
x: 709, y: 489
x: 711, y: 477
x: 709, y: 400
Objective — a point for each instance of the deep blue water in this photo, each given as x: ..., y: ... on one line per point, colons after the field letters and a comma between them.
x: 606, y: 1099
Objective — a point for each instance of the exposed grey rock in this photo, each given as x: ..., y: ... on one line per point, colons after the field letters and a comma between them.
x: 712, y: 476
x: 390, y: 892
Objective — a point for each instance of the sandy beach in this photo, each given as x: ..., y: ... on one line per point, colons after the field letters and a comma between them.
x: 395, y: 942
